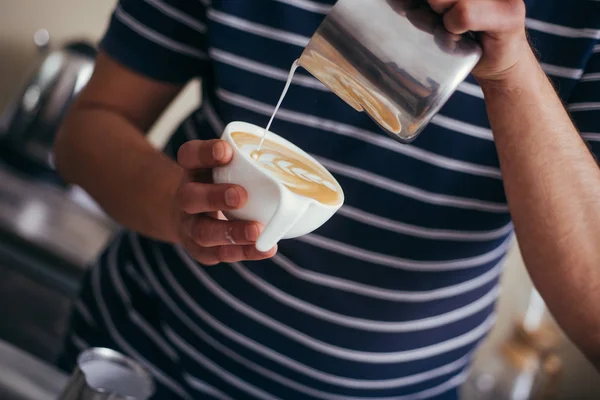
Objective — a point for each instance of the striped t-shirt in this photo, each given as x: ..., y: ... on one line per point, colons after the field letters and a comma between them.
x: 387, y: 300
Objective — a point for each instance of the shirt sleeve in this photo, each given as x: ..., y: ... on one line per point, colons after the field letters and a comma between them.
x: 584, y: 103
x: 161, y: 39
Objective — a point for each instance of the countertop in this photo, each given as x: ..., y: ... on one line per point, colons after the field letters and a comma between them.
x: 49, y: 235
x: 61, y: 227
x: 52, y: 218
x: 23, y: 377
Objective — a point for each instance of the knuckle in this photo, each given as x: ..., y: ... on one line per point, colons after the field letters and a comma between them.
x: 214, y: 198
x: 205, y: 150
x: 201, y: 238
x: 463, y: 15
x: 181, y: 152
x: 189, y: 226
x: 205, y: 234
x: 184, y: 151
x: 517, y: 11
x: 187, y: 198
x: 224, y: 254
x: 249, y: 252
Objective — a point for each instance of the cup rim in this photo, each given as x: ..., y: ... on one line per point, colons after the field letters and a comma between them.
x: 114, y: 357
x: 253, y: 130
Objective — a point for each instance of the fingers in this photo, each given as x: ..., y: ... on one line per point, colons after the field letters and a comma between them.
x: 491, y: 16
x: 441, y: 6
x: 197, y: 154
x: 240, y: 253
x: 211, y: 241
x: 423, y: 19
x: 209, y: 232
x: 232, y: 253
x: 449, y: 42
x: 196, y: 198
x: 401, y: 6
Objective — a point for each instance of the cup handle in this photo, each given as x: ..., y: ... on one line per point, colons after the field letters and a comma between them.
x: 289, y: 211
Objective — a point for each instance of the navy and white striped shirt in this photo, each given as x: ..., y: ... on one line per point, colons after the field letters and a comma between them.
x: 388, y: 299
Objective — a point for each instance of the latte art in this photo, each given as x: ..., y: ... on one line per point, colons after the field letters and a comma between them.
x: 296, y: 172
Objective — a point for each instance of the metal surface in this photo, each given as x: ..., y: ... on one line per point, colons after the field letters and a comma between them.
x: 47, y: 241
x: 30, y: 122
x: 23, y: 377
x: 392, y: 59
x: 53, y: 226
x: 104, y: 374
x: 33, y: 316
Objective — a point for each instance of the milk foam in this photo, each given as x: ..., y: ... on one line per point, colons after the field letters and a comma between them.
x: 298, y: 173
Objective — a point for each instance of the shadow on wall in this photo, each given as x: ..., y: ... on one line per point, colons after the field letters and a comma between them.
x: 64, y: 19
x: 17, y: 63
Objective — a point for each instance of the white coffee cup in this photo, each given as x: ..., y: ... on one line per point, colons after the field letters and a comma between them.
x: 284, y: 213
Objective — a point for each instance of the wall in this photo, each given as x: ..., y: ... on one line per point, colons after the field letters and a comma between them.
x: 68, y: 19
x: 65, y: 20
x: 580, y: 380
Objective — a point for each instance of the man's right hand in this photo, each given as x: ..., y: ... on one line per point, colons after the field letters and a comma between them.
x: 204, y: 232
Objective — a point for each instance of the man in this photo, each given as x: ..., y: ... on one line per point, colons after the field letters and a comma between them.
x: 388, y: 299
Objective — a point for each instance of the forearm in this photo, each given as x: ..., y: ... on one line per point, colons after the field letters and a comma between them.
x: 552, y: 183
x: 111, y: 159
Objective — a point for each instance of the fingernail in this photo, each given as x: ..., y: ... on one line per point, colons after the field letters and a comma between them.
x: 218, y: 151
x: 232, y: 198
x: 273, y: 250
x: 251, y: 233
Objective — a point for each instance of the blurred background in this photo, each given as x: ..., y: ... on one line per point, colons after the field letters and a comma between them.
x: 49, y: 232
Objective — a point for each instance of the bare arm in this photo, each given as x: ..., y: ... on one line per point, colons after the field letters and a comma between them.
x: 102, y: 148
x: 551, y: 179
x: 553, y: 187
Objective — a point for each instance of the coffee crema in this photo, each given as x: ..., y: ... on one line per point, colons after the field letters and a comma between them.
x: 296, y: 172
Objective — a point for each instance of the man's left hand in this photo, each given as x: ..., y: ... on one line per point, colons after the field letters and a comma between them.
x: 500, y: 25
